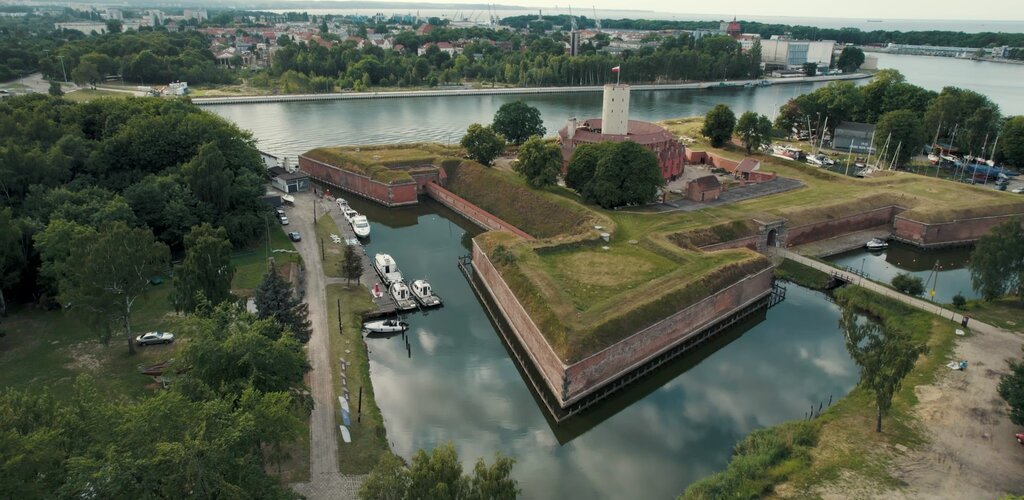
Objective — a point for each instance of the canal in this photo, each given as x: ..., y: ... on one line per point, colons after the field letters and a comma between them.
x: 451, y: 379
x: 944, y: 270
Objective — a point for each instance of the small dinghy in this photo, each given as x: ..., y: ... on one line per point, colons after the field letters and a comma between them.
x: 424, y: 294
x: 386, y: 326
x: 876, y: 244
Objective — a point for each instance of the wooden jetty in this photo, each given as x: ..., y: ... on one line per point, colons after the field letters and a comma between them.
x: 385, y: 304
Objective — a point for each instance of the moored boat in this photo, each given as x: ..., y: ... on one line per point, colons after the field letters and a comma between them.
x: 877, y: 244
x: 361, y: 226
x: 403, y: 297
x: 424, y: 294
x: 386, y: 326
x: 386, y: 268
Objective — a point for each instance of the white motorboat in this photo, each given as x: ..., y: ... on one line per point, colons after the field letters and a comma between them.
x: 877, y: 244
x: 342, y: 204
x: 816, y: 160
x: 387, y: 268
x: 403, y: 297
x: 349, y: 214
x: 424, y: 294
x: 386, y: 326
x: 361, y: 226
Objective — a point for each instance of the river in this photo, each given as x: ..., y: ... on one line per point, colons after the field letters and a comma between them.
x: 291, y: 128
x: 456, y: 382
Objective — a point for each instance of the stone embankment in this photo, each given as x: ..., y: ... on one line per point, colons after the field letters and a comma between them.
x: 335, y: 96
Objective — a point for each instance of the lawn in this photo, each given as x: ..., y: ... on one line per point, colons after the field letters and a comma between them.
x: 90, y: 94
x: 50, y: 348
x: 334, y: 253
x: 251, y: 263
x: 1006, y: 313
x: 369, y: 437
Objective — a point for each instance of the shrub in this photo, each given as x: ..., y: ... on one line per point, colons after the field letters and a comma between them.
x: 908, y: 284
x: 959, y: 301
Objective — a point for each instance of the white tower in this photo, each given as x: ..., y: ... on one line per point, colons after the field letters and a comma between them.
x: 615, y: 113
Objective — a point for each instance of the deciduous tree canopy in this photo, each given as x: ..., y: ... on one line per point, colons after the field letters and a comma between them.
x: 539, y: 162
x: 518, y: 121
x: 719, y: 123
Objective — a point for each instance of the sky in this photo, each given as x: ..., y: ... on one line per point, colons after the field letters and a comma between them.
x: 1003, y: 10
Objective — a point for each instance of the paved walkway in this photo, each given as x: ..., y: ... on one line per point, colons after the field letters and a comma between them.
x: 385, y: 303
x: 923, y: 305
x: 325, y: 480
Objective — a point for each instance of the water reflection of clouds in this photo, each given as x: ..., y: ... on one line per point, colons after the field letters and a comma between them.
x: 470, y: 393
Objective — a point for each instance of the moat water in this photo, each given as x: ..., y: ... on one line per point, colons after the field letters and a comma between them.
x: 945, y: 271
x: 452, y: 379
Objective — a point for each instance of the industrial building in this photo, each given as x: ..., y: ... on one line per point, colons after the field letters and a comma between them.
x: 793, y: 54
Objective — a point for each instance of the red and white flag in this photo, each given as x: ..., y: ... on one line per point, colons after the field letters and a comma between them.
x: 615, y: 69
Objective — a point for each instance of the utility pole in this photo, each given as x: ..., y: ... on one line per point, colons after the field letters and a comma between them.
x: 62, y: 68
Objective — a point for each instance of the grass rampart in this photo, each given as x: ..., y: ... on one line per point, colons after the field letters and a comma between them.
x: 387, y: 164
x: 540, y: 214
x: 711, y: 235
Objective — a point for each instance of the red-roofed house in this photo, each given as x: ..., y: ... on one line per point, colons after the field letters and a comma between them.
x: 424, y: 29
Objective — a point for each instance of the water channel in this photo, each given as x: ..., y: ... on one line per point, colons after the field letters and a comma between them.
x: 944, y: 270
x: 455, y: 381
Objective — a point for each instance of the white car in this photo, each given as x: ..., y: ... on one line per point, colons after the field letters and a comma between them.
x: 1019, y: 190
x: 361, y: 226
x: 284, y: 221
x: 154, y: 338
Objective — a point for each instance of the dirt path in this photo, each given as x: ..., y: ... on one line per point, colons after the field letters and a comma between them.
x: 971, y: 450
x: 325, y: 480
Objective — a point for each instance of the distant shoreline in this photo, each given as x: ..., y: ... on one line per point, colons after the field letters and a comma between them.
x: 261, y: 99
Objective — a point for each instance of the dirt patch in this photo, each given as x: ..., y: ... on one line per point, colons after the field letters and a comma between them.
x: 83, y: 357
x: 971, y: 451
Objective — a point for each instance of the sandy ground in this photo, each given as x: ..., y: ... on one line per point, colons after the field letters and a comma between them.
x: 972, y: 451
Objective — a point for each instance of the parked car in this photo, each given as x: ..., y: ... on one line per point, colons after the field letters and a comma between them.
x: 284, y: 221
x: 295, y: 236
x: 1019, y: 190
x: 1020, y: 437
x: 280, y: 212
x: 154, y: 338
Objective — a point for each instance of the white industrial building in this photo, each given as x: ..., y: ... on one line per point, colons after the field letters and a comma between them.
x: 793, y: 54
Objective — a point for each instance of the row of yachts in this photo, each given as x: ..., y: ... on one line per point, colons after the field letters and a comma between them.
x: 407, y: 297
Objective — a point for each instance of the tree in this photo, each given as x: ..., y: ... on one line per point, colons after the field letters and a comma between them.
x: 86, y: 73
x: 959, y: 301
x: 755, y: 130
x: 997, y: 262
x: 1011, y: 389
x: 907, y: 134
x: 112, y: 268
x: 206, y: 271
x: 908, y: 284
x: 966, y: 118
x: 539, y: 162
x: 626, y: 174
x: 482, y: 143
x: 884, y: 355
x: 583, y: 164
x: 718, y: 125
x: 389, y: 480
x: 438, y: 475
x: 352, y: 264
x: 55, y: 89
x: 850, y: 59
x: 113, y: 26
x: 810, y: 68
x: 1011, y: 142
x: 12, y: 254
x: 518, y: 121
x: 276, y: 299
x: 208, y: 177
